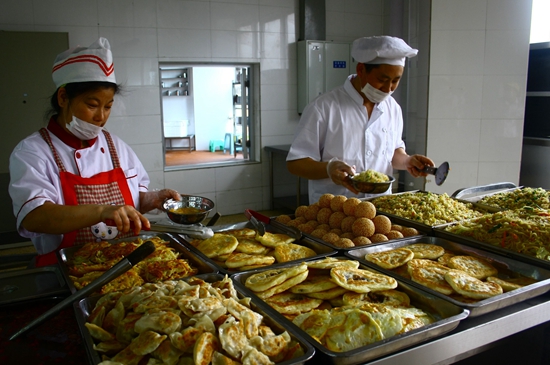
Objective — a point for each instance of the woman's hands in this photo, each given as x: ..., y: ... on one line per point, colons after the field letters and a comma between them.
x: 339, y: 171
x: 416, y: 163
x: 124, y: 217
x: 154, y: 199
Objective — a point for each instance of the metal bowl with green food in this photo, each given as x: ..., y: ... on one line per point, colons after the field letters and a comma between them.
x: 371, y: 184
x: 189, y: 210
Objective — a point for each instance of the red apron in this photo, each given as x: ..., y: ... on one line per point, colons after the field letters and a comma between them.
x: 109, y: 187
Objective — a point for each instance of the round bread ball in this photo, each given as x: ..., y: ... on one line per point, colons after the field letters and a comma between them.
x: 363, y: 227
x: 349, y: 235
x: 311, y: 212
x: 306, y: 228
x: 361, y: 241
x: 324, y: 200
x: 335, y: 220
x: 331, y: 238
x: 324, y: 226
x: 382, y: 224
x: 344, y: 243
x: 393, y: 235
x: 323, y: 215
x: 300, y: 211
x: 312, y: 223
x: 347, y: 223
x: 337, y: 203
x: 338, y: 231
x: 283, y: 218
x: 409, y: 231
x: 365, y: 209
x: 349, y: 206
x: 396, y: 227
x: 378, y: 237
x: 300, y: 220
x: 318, y: 233
x: 293, y: 223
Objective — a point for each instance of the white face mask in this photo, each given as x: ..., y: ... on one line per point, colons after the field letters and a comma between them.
x: 375, y: 95
x: 83, y: 130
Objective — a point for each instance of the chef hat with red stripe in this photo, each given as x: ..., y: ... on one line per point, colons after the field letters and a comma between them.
x: 382, y: 50
x: 82, y: 64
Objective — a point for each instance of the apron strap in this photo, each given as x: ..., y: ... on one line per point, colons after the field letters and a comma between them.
x: 112, y: 149
x: 46, y: 136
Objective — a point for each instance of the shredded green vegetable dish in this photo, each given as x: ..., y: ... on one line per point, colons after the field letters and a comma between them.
x: 519, y: 198
x: 371, y: 176
x: 526, y: 231
x: 425, y: 207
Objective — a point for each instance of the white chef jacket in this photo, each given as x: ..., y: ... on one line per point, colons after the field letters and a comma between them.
x: 336, y: 124
x: 34, y: 176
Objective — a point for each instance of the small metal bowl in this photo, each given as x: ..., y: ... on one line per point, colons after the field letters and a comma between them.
x: 188, y: 201
x: 370, y: 187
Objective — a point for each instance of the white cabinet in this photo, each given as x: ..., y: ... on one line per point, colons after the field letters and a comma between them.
x: 322, y: 66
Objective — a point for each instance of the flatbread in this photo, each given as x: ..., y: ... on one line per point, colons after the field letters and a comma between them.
x: 218, y: 244
x: 238, y: 259
x: 390, y: 259
x: 267, y: 279
x: 471, y: 287
x: 426, y: 250
x: 431, y: 274
x: 314, y: 284
x: 361, y: 281
x: 330, y: 262
x: 290, y: 303
x: 290, y: 282
x: 292, y: 252
x: 274, y: 239
x: 477, y: 267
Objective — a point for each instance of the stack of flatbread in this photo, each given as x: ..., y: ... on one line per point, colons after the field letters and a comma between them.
x: 245, y: 249
x: 463, y: 277
x: 337, y: 303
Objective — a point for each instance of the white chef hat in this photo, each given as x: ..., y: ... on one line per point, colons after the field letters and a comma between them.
x: 381, y: 49
x: 81, y: 64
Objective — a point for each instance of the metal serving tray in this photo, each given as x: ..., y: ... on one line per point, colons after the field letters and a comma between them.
x: 65, y: 256
x: 532, y: 260
x: 448, y: 316
x: 506, y: 266
x: 322, y: 250
x: 29, y: 285
x: 84, y: 308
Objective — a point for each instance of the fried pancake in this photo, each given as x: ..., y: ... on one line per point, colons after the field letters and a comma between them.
x: 355, y: 299
x: 329, y: 294
x: 390, y: 297
x: 426, y: 250
x: 444, y: 259
x: 274, y: 239
x: 361, y: 281
x: 390, y: 259
x: 359, y: 329
x: 251, y: 247
x: 291, y: 252
x: 473, y: 266
x: 430, y: 274
x: 314, y: 284
x: 504, y: 284
x: 266, y: 279
x: 218, y: 244
x: 330, y: 262
x: 156, y: 271
x: 237, y: 260
x: 243, y: 233
x: 127, y: 280
x: 290, y: 303
x: 289, y: 283
x: 389, y: 320
x: 471, y: 287
x: 315, y: 323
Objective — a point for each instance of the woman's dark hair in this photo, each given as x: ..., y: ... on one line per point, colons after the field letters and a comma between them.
x: 75, y: 89
x: 369, y: 67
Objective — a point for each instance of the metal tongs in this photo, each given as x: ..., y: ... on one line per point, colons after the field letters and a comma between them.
x: 120, y: 268
x: 258, y: 220
x: 259, y: 226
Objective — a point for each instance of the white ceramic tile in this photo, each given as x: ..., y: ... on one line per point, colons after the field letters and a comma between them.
x: 137, y: 101
x: 131, y: 42
x: 275, y: 45
x: 334, y: 6
x: 16, y: 12
x: 279, y: 97
x: 65, y: 12
x: 234, y: 17
x: 458, y: 15
x: 188, y: 43
x: 452, y: 139
x: 504, y: 96
x: 137, y: 71
x: 127, y: 13
x: 183, y: 14
x: 277, y: 140
x: 236, y: 201
x: 232, y: 44
x: 78, y: 36
x: 137, y: 129
x: 285, y: 3
x: 371, y: 7
x: 457, y: 52
x: 196, y: 181
x: 156, y: 180
x: 279, y: 122
x: 494, y: 172
x: 238, y: 177
x: 278, y: 71
x: 455, y: 97
x: 245, y: 2
x: 360, y: 25
x: 275, y: 19
x: 506, y: 52
x: 150, y: 155
x: 508, y: 14
x: 501, y: 140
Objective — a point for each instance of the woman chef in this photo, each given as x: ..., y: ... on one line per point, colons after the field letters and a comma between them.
x: 68, y: 178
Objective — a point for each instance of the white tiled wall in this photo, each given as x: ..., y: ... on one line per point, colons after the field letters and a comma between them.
x: 472, y: 90
x: 478, y: 70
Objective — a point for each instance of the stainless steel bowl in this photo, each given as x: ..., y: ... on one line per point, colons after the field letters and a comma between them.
x: 370, y: 187
x: 188, y: 201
